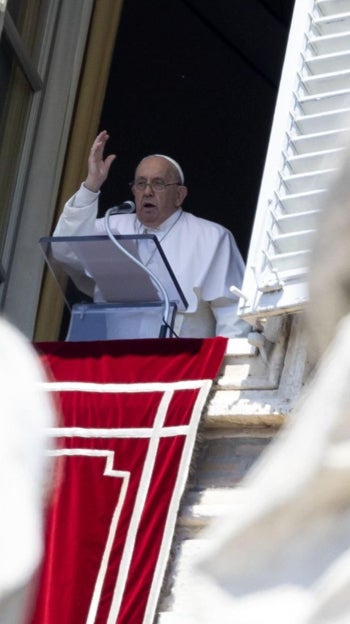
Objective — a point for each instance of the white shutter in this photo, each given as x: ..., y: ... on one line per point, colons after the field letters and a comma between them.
x: 308, y: 133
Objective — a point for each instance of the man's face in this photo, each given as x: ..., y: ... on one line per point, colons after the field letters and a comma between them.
x: 155, y: 206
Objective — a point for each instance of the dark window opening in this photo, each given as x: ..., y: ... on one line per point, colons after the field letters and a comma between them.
x: 198, y: 81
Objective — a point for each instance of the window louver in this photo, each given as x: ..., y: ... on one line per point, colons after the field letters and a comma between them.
x: 309, y: 132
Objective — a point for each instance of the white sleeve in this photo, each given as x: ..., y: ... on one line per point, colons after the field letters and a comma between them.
x: 227, y: 322
x: 77, y: 219
x: 79, y: 214
x: 224, y: 308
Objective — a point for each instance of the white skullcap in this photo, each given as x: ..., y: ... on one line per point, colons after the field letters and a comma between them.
x: 175, y: 164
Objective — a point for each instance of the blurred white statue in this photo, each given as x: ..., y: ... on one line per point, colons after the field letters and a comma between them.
x: 26, y: 411
x: 283, y: 555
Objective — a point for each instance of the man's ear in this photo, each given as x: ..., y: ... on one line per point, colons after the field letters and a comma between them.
x: 181, y: 195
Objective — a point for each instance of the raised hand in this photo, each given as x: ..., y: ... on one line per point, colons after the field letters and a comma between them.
x: 98, y: 168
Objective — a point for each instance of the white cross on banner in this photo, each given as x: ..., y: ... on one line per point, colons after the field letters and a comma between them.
x: 128, y: 418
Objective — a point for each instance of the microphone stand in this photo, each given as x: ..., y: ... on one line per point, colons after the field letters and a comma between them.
x: 154, y: 278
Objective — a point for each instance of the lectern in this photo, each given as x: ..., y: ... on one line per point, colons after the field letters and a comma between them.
x: 118, y: 297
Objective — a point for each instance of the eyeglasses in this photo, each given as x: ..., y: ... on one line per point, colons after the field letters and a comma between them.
x: 156, y: 184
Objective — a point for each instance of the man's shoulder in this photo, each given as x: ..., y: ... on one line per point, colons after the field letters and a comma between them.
x: 205, y: 224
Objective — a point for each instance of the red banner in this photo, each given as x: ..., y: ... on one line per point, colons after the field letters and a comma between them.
x: 128, y: 417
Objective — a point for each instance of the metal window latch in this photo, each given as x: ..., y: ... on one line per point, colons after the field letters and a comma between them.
x: 236, y: 291
x: 269, y: 280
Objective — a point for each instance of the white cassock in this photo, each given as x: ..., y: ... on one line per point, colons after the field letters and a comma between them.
x: 202, y: 254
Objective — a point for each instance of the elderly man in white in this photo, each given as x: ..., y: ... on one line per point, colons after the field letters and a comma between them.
x: 203, y: 254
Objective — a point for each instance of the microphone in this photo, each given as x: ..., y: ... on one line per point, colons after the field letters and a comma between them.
x: 126, y: 207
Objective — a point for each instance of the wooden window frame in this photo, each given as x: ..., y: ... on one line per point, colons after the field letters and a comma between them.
x: 93, y: 81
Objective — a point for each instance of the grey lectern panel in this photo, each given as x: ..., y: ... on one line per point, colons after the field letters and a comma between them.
x: 127, y: 303
x: 109, y: 322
